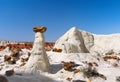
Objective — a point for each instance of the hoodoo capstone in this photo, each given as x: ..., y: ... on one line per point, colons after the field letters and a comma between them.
x: 41, y: 29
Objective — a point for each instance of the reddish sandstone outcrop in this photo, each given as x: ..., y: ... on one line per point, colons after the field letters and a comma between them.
x: 110, y: 57
x: 48, y: 46
x: 2, y: 48
x: 68, y: 65
x: 21, y: 45
x: 7, y: 58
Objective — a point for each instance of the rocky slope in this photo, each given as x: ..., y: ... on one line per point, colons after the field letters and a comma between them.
x: 75, y: 41
x: 79, y: 41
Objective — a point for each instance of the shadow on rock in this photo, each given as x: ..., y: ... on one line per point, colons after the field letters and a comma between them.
x: 3, y: 78
x: 54, y: 68
x: 30, y: 78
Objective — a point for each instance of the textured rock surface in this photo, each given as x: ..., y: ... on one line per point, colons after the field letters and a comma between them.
x: 103, y: 43
x: 79, y: 41
x: 75, y: 41
x: 38, y: 59
x: 88, y: 39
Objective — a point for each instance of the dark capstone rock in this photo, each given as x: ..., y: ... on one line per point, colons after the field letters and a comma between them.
x: 39, y: 29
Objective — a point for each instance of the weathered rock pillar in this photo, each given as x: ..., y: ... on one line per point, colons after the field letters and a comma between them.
x: 38, y: 59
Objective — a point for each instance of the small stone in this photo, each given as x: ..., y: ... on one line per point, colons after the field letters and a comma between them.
x: 7, y: 58
x: 15, y: 52
x: 78, y: 81
x: 22, y: 64
x: 24, y: 59
x: 68, y: 65
x: 57, y: 50
x: 76, y: 71
x: 9, y: 72
x: 69, y: 79
x: 3, y: 78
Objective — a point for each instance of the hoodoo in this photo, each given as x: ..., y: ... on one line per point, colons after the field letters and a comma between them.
x: 38, y: 59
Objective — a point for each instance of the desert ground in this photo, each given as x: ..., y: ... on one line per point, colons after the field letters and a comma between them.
x: 77, y: 56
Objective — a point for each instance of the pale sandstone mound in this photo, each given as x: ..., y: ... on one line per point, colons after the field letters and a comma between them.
x: 38, y: 59
x: 79, y: 41
x: 75, y: 41
x: 104, y: 43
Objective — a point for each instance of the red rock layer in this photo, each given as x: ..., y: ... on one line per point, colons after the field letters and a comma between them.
x: 48, y: 46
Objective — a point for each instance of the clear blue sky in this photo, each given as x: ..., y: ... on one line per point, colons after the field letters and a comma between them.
x: 18, y: 17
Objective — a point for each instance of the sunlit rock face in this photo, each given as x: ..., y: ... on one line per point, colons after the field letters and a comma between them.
x: 75, y: 41
x: 38, y: 59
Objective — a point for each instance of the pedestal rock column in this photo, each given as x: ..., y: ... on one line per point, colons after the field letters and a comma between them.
x: 38, y: 59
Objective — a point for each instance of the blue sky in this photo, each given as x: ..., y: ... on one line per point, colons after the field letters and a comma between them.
x: 18, y: 17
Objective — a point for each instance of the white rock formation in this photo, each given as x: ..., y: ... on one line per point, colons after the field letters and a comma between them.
x: 75, y: 41
x: 38, y: 59
x: 88, y: 39
x: 79, y: 41
x: 103, y: 43
x: 5, y: 42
